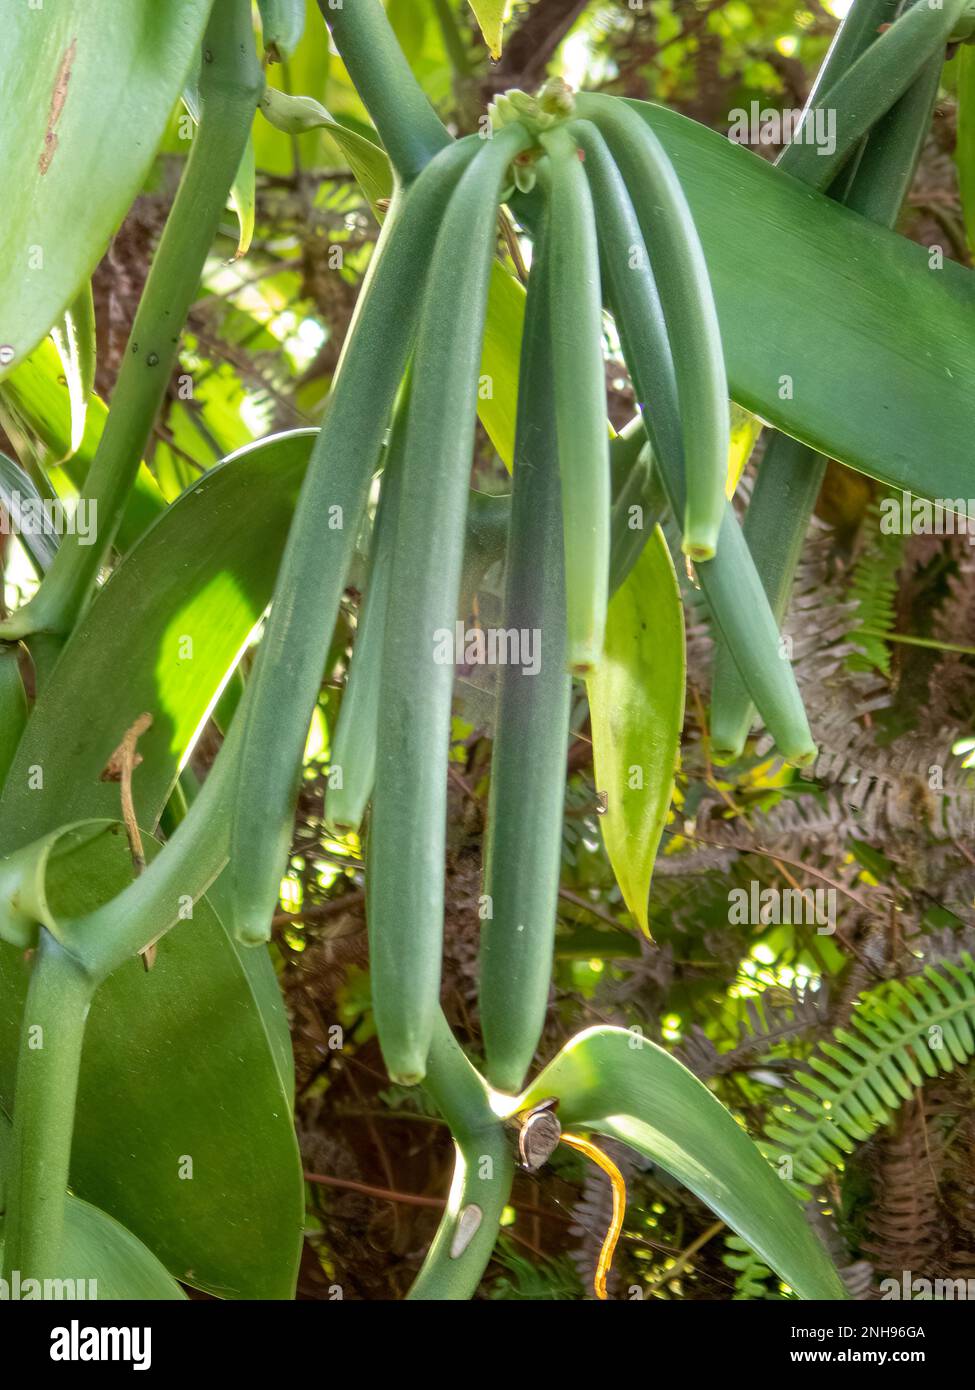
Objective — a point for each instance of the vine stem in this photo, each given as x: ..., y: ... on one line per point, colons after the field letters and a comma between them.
x: 902, y: 637
x: 230, y: 89
x: 483, y: 1173
x: 51, y: 1037
x: 408, y: 126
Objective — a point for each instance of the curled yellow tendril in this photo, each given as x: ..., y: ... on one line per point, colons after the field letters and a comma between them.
x: 618, y: 1184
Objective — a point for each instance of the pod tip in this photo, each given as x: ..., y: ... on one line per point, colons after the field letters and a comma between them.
x: 341, y: 826
x: 698, y: 550
x: 252, y: 934
x: 583, y: 655
x: 406, y: 1078
x: 506, y: 1078
x: 804, y: 759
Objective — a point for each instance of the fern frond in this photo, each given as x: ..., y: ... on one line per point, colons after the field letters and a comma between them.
x: 873, y: 587
x: 752, y: 1274
x: 773, y: 1017
x: 901, y: 1033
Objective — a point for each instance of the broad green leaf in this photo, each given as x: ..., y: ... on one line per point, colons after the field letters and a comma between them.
x: 102, y: 1258
x: 209, y: 562
x: 104, y: 1261
x: 184, y: 1130
x: 619, y: 1083
x: 121, y: 1266
x: 636, y: 700
x: 92, y: 87
x: 965, y: 146
x: 74, y: 338
x: 491, y: 15
x: 840, y: 333
x: 369, y: 164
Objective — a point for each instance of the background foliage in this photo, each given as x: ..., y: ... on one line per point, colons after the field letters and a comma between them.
x: 884, y: 633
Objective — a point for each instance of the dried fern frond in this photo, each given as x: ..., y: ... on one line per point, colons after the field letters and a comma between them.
x: 905, y: 1219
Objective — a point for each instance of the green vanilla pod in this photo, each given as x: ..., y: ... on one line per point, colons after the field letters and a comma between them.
x: 528, y: 768
x: 576, y: 315
x: 681, y: 276
x: 286, y: 679
x: 859, y: 28
x: 408, y: 824
x: 282, y: 25
x: 353, y: 753
x: 874, y: 82
x: 625, y: 449
x: 730, y: 582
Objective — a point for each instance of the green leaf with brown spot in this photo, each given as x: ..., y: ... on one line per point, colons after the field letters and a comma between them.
x: 88, y: 90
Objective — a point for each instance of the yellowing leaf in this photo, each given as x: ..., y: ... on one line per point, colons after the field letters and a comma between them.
x: 491, y: 15
x: 745, y: 429
x: 636, y: 700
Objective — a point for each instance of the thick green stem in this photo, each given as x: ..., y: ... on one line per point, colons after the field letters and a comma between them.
x: 482, y: 1181
x: 152, y: 904
x: 51, y: 1038
x: 230, y: 88
x: 407, y: 124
